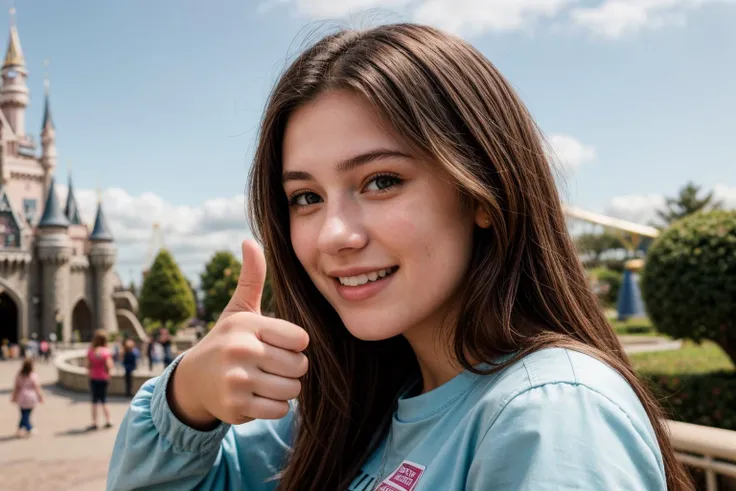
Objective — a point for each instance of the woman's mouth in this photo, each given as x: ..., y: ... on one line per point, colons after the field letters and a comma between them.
x: 364, y: 278
x: 365, y: 285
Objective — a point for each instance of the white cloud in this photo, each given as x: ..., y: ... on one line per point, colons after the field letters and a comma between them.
x: 191, y: 233
x: 569, y: 152
x: 460, y: 16
x: 636, y: 208
x: 477, y: 16
x: 327, y: 9
x: 611, y: 19
x: 614, y: 19
x: 643, y: 208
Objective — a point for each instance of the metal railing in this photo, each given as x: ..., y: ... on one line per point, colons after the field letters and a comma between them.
x: 702, y: 447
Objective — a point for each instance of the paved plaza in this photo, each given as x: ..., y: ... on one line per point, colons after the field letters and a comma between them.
x: 60, y: 456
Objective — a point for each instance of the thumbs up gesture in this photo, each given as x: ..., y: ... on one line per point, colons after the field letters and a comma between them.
x: 247, y: 367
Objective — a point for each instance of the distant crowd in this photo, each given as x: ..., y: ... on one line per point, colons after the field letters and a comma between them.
x: 103, y: 357
x: 36, y: 348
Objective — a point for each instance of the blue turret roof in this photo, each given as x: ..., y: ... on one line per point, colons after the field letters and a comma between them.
x: 72, y: 210
x: 52, y: 214
x: 101, y: 232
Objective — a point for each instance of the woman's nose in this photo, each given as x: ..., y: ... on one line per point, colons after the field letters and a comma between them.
x: 342, y: 230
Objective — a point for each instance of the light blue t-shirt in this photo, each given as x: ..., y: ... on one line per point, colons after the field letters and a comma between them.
x: 556, y: 420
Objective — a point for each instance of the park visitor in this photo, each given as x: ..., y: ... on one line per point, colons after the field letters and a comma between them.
x: 45, y: 350
x: 167, y: 344
x: 27, y: 394
x: 130, y: 363
x: 434, y: 328
x: 99, y: 364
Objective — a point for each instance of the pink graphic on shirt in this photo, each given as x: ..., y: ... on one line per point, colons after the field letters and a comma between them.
x: 405, y: 478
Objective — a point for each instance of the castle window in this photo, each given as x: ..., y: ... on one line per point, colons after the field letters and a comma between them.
x: 29, y: 208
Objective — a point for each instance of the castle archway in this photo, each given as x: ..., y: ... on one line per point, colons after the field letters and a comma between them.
x: 19, y: 329
x: 130, y: 326
x: 82, y: 320
x: 9, y: 318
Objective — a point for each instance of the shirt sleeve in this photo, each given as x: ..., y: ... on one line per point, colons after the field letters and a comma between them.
x: 155, y: 451
x: 563, y: 436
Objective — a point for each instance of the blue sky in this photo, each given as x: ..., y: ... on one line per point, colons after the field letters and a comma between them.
x: 159, y: 102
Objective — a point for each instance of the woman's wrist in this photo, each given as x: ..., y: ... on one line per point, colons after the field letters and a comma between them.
x: 184, y: 403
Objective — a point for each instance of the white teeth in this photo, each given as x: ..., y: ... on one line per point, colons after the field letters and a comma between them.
x: 364, y: 278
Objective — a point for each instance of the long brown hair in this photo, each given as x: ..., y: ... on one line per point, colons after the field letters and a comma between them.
x: 526, y: 288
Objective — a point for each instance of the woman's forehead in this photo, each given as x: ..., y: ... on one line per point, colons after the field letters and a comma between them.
x: 333, y: 128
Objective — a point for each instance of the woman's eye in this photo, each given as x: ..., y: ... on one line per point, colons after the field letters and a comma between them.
x: 305, y: 199
x: 382, y: 182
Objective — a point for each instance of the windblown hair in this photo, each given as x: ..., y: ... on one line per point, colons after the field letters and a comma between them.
x: 526, y: 288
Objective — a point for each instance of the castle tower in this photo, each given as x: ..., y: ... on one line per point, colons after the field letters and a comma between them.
x: 102, y: 258
x: 48, y: 139
x: 14, y: 92
x: 54, y: 251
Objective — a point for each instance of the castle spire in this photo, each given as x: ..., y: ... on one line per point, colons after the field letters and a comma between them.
x: 52, y: 214
x: 72, y: 209
x: 47, y: 123
x: 14, y: 55
x: 101, y: 231
x: 14, y: 92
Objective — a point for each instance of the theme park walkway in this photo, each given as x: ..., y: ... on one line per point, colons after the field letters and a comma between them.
x: 60, y: 456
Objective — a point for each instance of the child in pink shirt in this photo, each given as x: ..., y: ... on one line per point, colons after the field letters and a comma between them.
x: 27, y: 394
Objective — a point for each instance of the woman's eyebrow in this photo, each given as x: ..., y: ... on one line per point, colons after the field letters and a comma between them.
x: 347, y: 164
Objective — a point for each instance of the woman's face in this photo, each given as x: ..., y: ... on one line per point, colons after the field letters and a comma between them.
x: 384, y: 238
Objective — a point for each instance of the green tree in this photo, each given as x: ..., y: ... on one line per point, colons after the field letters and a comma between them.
x: 595, y: 245
x: 218, y: 282
x: 165, y: 295
x: 607, y: 284
x: 688, y: 281
x: 686, y: 203
x: 195, y: 294
x: 132, y: 289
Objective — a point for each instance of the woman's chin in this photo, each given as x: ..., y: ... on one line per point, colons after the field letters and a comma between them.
x: 366, y: 332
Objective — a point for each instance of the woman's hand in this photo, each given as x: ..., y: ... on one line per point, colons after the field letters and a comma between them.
x: 248, y: 367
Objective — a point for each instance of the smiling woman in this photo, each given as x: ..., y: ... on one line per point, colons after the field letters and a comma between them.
x: 434, y: 330
x: 363, y: 205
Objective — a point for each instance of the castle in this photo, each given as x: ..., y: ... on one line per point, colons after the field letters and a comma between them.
x: 55, y: 275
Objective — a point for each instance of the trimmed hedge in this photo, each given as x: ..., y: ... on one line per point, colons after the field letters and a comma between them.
x: 689, y: 280
x: 696, y: 384
x: 634, y: 327
x: 703, y: 399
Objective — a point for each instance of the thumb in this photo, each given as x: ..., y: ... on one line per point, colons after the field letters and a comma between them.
x: 247, y: 295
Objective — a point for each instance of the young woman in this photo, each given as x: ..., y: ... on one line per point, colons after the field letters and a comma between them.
x: 27, y: 394
x: 422, y: 265
x: 99, y: 364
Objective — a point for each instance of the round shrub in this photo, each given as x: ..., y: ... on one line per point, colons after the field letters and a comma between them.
x: 689, y: 280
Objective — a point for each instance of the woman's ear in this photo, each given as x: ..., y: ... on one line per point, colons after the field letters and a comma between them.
x: 482, y: 217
